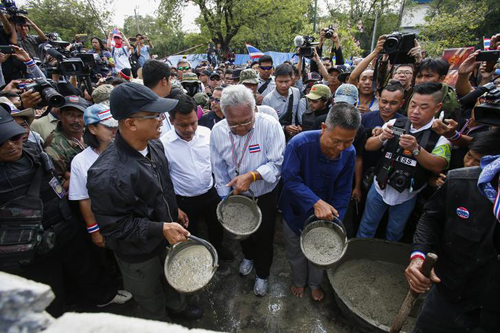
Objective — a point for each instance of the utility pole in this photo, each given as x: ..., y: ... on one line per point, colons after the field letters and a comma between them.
x: 375, y: 24
x: 136, y: 21
x: 315, y: 14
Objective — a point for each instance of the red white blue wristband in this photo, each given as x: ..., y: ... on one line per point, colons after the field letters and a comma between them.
x: 92, y: 228
x: 417, y: 254
x: 30, y: 63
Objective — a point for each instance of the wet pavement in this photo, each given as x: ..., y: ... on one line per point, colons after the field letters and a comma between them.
x: 231, y: 306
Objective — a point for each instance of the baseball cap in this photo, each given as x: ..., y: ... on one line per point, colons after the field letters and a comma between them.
x: 75, y: 102
x: 206, y: 72
x: 319, y: 91
x: 99, y: 113
x: 189, y: 77
x: 215, y: 75
x: 102, y: 93
x: 129, y: 98
x: 117, y: 36
x: 346, y: 93
x: 14, y: 112
x: 8, y: 126
x: 201, y: 99
x: 249, y: 76
x: 237, y: 74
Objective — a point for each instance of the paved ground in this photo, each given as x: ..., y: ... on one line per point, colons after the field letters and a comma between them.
x: 231, y: 306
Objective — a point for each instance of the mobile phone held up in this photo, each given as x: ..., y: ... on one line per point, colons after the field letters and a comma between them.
x: 488, y: 55
x: 6, y: 49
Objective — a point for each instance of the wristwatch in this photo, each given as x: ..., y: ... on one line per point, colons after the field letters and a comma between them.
x: 416, y: 151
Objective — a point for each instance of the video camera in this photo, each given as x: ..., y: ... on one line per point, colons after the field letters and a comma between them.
x: 488, y: 113
x: 306, y: 44
x: 397, y: 46
x: 10, y: 7
x: 50, y: 96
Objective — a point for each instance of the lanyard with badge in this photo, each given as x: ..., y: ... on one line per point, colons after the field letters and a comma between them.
x: 244, y: 150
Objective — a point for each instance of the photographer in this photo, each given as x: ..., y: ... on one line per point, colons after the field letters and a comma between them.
x: 412, y: 152
x: 103, y: 66
x: 28, y: 42
x: 142, y: 50
x: 329, y: 33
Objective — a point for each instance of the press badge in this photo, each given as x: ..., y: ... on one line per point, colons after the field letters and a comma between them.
x: 57, y: 187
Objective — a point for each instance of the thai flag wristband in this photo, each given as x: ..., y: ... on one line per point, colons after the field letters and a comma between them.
x: 92, y: 228
x: 30, y: 63
x: 417, y: 254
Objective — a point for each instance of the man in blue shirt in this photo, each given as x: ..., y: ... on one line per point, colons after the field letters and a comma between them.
x: 317, y: 176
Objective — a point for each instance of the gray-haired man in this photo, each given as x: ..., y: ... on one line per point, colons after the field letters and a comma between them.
x: 247, y: 152
x: 317, y: 176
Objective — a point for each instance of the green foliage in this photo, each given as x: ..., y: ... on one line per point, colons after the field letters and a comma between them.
x: 71, y: 17
x: 451, y: 29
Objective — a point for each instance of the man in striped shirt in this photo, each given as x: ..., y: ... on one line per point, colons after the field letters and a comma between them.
x: 246, y: 153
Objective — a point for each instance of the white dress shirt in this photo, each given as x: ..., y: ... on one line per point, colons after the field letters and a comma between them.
x: 189, y: 162
x: 263, y: 153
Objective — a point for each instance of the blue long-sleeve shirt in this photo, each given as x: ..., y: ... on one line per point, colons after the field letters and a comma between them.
x: 308, y: 175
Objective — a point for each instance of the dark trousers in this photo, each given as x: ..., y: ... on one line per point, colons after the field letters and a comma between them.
x: 259, y: 246
x: 78, y: 261
x: 205, y: 206
x: 439, y: 315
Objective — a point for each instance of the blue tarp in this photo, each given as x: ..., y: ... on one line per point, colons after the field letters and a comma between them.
x: 241, y: 59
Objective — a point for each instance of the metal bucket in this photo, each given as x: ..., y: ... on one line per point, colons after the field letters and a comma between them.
x: 190, y: 265
x: 248, y: 207
x: 330, y: 230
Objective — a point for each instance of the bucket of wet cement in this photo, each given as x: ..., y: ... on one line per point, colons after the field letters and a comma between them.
x: 323, y: 242
x: 239, y: 215
x: 190, y: 265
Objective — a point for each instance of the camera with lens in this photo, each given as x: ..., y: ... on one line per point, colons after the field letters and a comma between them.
x: 400, y: 180
x: 329, y: 32
x: 50, y: 96
x: 306, y: 45
x: 488, y: 113
x: 10, y: 7
x: 397, y: 46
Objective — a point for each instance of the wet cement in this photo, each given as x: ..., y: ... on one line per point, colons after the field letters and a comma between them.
x: 231, y: 306
x: 323, y: 245
x: 376, y: 289
x: 238, y: 218
x: 191, y: 268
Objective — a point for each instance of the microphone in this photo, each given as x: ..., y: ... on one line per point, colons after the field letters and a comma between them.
x: 298, y: 41
x: 470, y: 99
x: 55, y: 54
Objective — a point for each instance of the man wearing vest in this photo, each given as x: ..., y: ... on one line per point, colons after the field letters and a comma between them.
x: 458, y: 225
x: 412, y: 152
x: 318, y: 102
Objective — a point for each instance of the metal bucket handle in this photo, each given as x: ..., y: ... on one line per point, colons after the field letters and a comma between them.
x: 335, y: 220
x: 227, y: 197
x: 205, y: 244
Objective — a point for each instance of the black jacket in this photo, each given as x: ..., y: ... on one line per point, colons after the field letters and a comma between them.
x: 131, y: 196
x: 458, y: 223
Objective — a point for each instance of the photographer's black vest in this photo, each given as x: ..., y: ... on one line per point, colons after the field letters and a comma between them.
x: 419, y: 174
x: 309, y: 118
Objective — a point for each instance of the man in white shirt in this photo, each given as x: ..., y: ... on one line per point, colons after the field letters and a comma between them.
x: 266, y: 79
x: 247, y: 152
x: 187, y: 148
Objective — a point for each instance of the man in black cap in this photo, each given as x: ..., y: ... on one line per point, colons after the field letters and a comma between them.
x: 134, y: 202
x: 53, y: 247
x: 65, y: 142
x: 215, y: 80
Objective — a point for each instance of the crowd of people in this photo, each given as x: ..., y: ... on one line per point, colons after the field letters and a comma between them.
x: 106, y: 167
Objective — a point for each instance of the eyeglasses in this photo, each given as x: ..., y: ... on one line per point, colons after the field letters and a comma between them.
x: 216, y: 100
x: 246, y: 123
x: 266, y: 68
x: 404, y: 73
x: 183, y: 68
x: 158, y: 116
x: 13, y: 139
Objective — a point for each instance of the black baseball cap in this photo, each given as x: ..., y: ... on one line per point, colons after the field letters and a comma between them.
x: 215, y: 75
x: 8, y: 126
x: 75, y: 102
x: 129, y: 98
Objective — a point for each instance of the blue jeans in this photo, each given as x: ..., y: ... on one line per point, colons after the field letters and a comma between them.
x: 375, y: 209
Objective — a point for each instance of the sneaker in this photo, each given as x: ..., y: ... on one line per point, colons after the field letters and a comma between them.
x: 260, y: 287
x: 224, y: 254
x: 192, y: 312
x: 246, y: 267
x: 122, y: 297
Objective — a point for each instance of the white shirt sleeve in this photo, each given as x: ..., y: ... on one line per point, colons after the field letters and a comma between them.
x: 78, y: 182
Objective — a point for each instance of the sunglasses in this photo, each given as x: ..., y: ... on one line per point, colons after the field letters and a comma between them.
x: 216, y: 100
x: 266, y: 68
x: 184, y: 68
x: 13, y: 139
